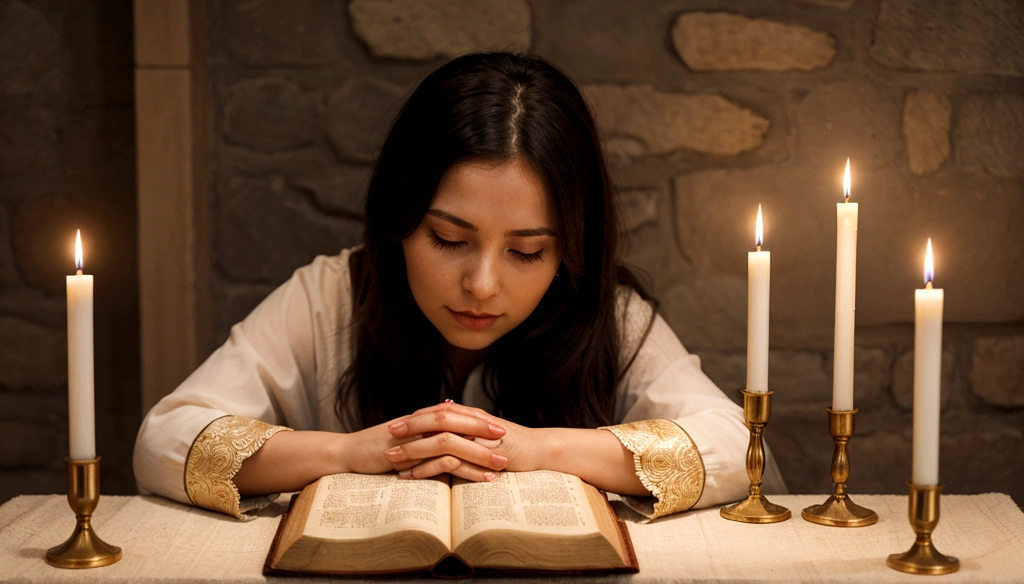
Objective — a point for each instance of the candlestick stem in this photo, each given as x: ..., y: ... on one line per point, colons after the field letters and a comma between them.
x: 756, y: 508
x: 84, y: 549
x: 839, y: 510
x: 922, y: 557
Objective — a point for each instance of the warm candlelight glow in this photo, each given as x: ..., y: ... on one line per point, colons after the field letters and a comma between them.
x: 78, y: 250
x: 759, y: 230
x: 846, y: 181
x: 929, y: 265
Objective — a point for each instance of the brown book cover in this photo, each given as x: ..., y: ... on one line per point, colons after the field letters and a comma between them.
x: 542, y: 522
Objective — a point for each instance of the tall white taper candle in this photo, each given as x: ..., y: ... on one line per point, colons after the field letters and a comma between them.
x: 81, y: 414
x: 927, y: 376
x: 759, y: 265
x: 846, y: 299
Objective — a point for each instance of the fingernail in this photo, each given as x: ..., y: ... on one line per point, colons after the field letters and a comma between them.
x: 490, y: 476
x: 393, y: 450
x: 398, y: 428
x: 496, y: 429
x: 405, y: 474
x: 498, y: 458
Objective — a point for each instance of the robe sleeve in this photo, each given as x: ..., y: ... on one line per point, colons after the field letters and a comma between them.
x: 263, y: 380
x: 689, y: 441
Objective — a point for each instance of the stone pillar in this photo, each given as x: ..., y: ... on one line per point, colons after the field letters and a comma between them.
x: 172, y: 135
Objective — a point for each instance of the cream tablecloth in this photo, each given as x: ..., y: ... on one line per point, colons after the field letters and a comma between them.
x: 167, y: 542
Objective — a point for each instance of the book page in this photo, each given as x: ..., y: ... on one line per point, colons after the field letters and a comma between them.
x: 540, y: 501
x: 356, y: 506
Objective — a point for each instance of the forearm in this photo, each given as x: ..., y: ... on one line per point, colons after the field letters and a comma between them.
x: 596, y: 456
x: 288, y: 461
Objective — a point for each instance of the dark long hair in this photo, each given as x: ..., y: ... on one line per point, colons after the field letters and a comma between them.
x: 561, y: 365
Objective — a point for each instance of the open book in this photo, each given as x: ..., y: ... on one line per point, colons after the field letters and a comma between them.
x: 539, y: 521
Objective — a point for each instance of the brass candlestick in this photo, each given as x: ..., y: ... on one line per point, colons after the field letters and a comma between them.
x: 922, y: 557
x: 757, y: 407
x: 84, y: 549
x: 839, y: 510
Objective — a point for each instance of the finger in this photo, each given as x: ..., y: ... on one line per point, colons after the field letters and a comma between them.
x: 446, y: 421
x: 450, y: 406
x: 451, y: 465
x: 447, y: 444
x: 487, y: 443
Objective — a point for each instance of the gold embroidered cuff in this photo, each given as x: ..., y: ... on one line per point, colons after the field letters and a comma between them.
x: 217, y: 455
x: 667, y: 462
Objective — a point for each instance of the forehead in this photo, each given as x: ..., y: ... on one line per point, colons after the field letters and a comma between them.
x: 507, y: 194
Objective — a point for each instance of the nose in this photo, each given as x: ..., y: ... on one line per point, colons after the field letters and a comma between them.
x: 481, y: 277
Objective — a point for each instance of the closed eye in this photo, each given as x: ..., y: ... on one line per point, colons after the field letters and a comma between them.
x: 527, y: 258
x: 444, y: 244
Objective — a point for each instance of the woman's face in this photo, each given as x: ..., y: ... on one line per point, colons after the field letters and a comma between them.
x: 485, y: 253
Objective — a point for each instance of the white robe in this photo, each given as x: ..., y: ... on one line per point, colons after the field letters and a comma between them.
x: 281, y: 365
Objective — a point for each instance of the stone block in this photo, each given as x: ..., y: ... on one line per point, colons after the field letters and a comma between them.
x: 299, y: 32
x: 28, y: 140
x: 872, y: 375
x: 926, y: 123
x: 29, y: 52
x: 340, y: 189
x: 34, y: 357
x: 799, y: 440
x: 950, y: 35
x: 848, y: 119
x: 983, y: 461
x: 799, y: 378
x: 43, y: 240
x: 997, y: 371
x: 639, y: 208
x: 429, y: 29
x: 269, y: 115
x: 266, y: 229
x: 989, y: 134
x: 640, y: 120
x: 903, y: 379
x: 880, y: 462
x: 840, y: 4
x: 707, y: 311
x: 360, y: 114
x: 721, y: 41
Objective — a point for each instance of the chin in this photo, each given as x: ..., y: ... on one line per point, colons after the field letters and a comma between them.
x: 470, y: 342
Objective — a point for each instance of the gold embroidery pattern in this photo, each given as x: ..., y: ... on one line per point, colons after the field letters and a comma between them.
x: 667, y: 462
x: 217, y: 455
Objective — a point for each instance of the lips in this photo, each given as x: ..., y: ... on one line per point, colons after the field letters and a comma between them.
x: 474, y: 320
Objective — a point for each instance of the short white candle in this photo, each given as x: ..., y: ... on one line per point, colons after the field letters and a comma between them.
x: 846, y: 299
x: 81, y: 417
x: 927, y: 376
x: 759, y: 265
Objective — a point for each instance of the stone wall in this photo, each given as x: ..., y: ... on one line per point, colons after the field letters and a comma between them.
x: 67, y: 162
x: 707, y: 110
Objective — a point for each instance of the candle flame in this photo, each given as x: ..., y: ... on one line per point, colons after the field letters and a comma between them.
x: 78, y: 250
x: 846, y: 181
x: 929, y: 265
x: 759, y: 230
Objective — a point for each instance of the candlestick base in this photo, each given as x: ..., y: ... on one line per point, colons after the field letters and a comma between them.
x: 838, y: 510
x: 922, y: 557
x: 756, y: 508
x: 84, y: 549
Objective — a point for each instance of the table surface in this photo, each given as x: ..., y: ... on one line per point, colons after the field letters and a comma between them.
x: 164, y: 541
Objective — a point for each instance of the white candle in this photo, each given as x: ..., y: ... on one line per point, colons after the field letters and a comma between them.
x: 927, y: 376
x: 81, y: 420
x: 846, y: 299
x: 759, y: 265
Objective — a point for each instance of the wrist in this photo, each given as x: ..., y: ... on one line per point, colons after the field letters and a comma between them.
x: 551, y: 451
x: 339, y: 452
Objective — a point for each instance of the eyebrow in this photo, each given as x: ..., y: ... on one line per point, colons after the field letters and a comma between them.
x: 536, y: 231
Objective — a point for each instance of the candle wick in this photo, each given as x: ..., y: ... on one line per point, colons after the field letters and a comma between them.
x: 846, y: 199
x: 758, y: 247
x: 928, y: 286
x: 78, y: 272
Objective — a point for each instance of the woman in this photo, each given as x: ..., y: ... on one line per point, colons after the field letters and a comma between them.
x: 485, y: 325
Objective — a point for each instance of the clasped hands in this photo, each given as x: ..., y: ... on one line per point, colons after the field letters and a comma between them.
x: 448, y: 438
